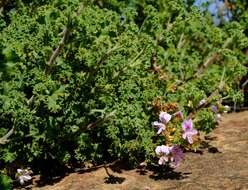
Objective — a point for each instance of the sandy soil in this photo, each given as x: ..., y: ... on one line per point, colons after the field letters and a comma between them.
x: 223, y: 164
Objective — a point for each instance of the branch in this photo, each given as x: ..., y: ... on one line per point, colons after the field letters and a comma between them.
x: 65, y: 35
x: 210, y: 60
x: 98, y: 121
x: 245, y: 83
x: 60, y: 46
x: 130, y: 65
x: 214, y: 93
x: 4, y: 139
x: 204, y: 66
x: 94, y: 72
x: 106, y: 55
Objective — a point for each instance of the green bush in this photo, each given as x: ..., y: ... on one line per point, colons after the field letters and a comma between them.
x: 5, y: 182
x: 95, y: 102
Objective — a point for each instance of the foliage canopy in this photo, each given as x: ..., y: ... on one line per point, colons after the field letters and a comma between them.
x: 96, y: 101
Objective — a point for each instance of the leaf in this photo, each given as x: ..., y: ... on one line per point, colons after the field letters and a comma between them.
x: 53, y: 99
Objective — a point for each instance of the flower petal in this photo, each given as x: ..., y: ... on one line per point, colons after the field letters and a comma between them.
x: 190, y: 140
x: 214, y: 108
x: 187, y: 124
x: 192, y: 132
x: 19, y: 170
x: 160, y: 130
x: 157, y: 124
x: 165, y: 149
x: 218, y: 117
x: 163, y: 160
x: 164, y: 117
x: 179, y: 114
x: 26, y: 177
x: 184, y: 135
x: 21, y: 181
x: 158, y: 150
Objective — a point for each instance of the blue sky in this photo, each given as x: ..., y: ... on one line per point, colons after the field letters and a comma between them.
x: 214, y: 8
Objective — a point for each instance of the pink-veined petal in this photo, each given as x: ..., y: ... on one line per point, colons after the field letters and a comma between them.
x: 165, y: 158
x: 187, y: 124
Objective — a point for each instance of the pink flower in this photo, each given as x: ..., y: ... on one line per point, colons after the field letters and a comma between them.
x: 178, y: 114
x: 159, y: 126
x: 176, y: 156
x: 23, y: 175
x: 172, y: 154
x: 218, y: 117
x: 188, y: 130
x: 164, y: 118
x: 226, y: 108
x: 163, y: 151
x: 214, y: 109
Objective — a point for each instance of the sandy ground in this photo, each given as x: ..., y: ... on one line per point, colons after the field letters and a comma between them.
x: 223, y: 164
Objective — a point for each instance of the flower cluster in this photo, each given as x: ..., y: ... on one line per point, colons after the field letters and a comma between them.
x: 172, y: 153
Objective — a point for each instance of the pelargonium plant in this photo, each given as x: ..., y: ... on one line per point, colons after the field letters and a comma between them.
x: 176, y: 139
x: 171, y: 153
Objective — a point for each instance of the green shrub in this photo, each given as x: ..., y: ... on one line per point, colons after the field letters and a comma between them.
x: 5, y: 182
